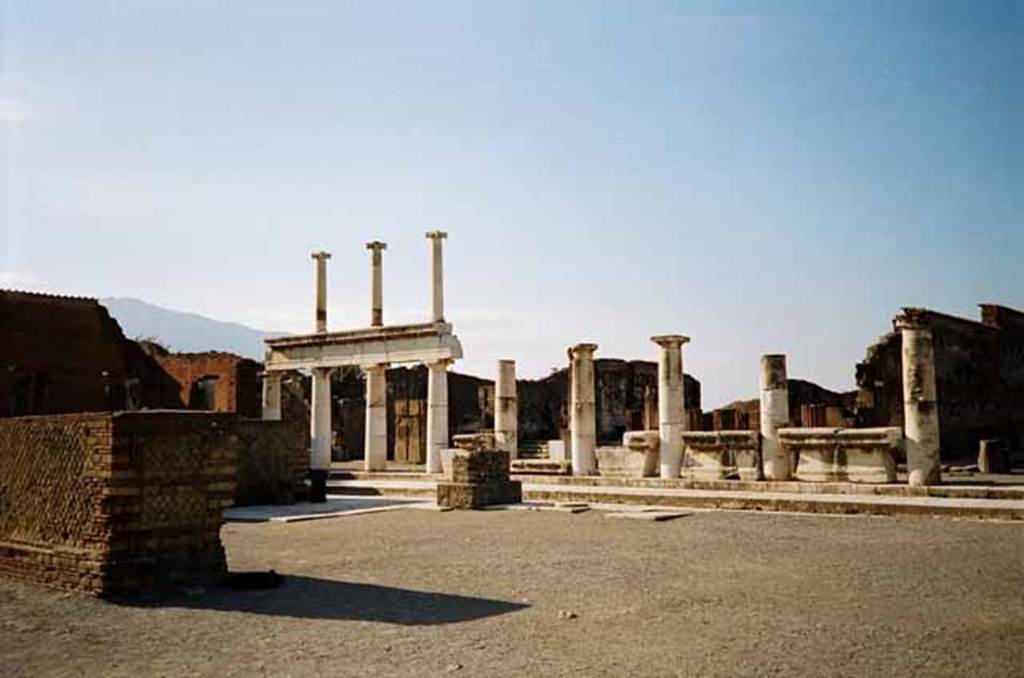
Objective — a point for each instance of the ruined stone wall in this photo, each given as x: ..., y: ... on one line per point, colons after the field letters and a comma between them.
x: 115, y: 503
x: 273, y: 461
x: 809, y: 405
x: 979, y: 377
x: 66, y: 354
x: 237, y: 385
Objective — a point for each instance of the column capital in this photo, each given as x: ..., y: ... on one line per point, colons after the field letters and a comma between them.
x: 443, y: 363
x: 376, y: 245
x: 581, y: 350
x: 321, y: 255
x: 437, y: 235
x: 670, y: 340
x: 911, y: 319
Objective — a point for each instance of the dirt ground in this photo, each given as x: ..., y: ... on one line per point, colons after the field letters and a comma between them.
x: 419, y: 593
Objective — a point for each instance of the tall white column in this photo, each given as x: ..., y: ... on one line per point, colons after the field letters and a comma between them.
x: 320, y: 433
x: 272, y: 396
x: 671, y: 403
x: 436, y: 275
x: 321, y: 289
x: 920, y: 402
x: 506, y: 409
x: 376, y: 283
x: 437, y: 413
x: 375, y: 455
x: 582, y: 410
x: 776, y: 462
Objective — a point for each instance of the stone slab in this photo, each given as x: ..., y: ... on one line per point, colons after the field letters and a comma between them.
x: 650, y: 516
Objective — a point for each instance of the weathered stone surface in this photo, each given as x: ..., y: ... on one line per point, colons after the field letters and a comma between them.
x: 475, y: 441
x: 715, y: 455
x: 776, y: 463
x: 843, y: 455
x: 478, y: 495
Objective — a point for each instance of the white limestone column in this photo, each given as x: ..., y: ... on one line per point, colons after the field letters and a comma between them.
x: 436, y: 274
x: 776, y: 463
x: 321, y: 290
x: 437, y: 413
x: 582, y: 410
x: 272, y: 396
x: 320, y: 433
x: 920, y: 406
x: 671, y: 403
x: 506, y: 408
x: 376, y: 283
x: 375, y: 455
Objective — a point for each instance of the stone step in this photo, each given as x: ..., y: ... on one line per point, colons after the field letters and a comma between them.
x: 673, y: 498
x: 998, y: 492
x: 540, y: 467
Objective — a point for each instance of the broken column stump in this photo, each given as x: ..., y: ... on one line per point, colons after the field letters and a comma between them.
x: 479, y: 478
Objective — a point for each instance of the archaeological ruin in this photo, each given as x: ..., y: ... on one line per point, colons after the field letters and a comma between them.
x: 119, y: 456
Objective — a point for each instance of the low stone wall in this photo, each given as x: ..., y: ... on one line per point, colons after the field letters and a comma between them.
x: 636, y: 458
x: 479, y: 478
x: 865, y: 455
x: 715, y: 455
x: 273, y: 462
x: 117, y: 503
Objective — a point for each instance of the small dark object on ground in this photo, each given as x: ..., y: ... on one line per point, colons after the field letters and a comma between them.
x: 252, y: 581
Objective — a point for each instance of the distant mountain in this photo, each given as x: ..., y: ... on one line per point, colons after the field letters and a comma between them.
x: 185, y: 332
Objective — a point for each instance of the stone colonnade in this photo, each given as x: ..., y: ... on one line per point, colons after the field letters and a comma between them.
x: 376, y: 433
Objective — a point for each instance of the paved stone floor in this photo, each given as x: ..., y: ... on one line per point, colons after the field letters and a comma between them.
x: 520, y: 593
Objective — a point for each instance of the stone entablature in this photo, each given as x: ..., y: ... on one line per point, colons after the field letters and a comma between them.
x: 415, y: 343
x: 716, y: 455
x: 860, y: 455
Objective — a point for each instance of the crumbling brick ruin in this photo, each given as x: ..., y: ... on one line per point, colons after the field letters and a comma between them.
x: 980, y: 379
x: 214, y: 381
x: 66, y: 354
x: 116, y: 503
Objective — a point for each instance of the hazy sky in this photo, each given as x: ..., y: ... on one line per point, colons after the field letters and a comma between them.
x: 763, y: 177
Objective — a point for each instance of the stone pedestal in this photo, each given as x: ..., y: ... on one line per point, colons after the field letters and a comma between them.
x: 717, y: 455
x: 437, y: 414
x: 777, y: 463
x: 320, y: 434
x: 272, y: 396
x: 479, y: 478
x: 920, y: 409
x: 506, y: 409
x: 582, y: 410
x: 376, y: 445
x: 858, y: 455
x: 671, y: 403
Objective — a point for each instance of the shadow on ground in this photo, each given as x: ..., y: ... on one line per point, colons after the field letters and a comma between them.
x: 313, y: 598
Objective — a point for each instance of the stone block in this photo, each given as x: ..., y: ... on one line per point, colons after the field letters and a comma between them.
x: 558, y: 450
x: 478, y: 495
x: 484, y: 440
x: 716, y: 455
x: 866, y: 455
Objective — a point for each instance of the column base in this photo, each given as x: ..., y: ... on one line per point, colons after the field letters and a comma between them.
x: 317, y: 486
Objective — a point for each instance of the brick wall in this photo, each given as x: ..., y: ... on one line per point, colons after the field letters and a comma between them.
x: 237, y: 386
x: 118, y: 503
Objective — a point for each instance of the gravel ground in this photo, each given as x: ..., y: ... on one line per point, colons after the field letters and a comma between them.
x: 419, y: 593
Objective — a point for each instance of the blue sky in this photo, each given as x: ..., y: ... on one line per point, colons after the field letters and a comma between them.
x: 762, y: 176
